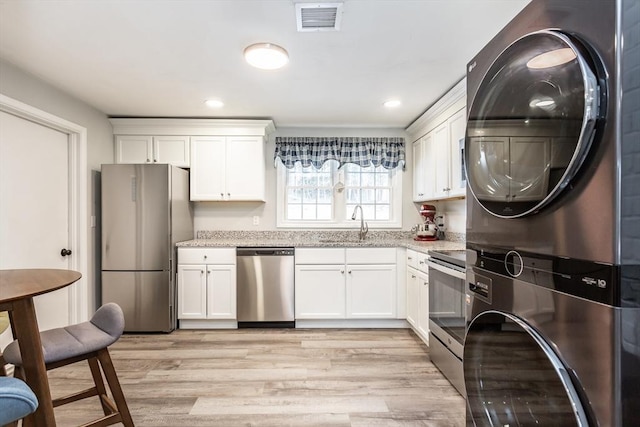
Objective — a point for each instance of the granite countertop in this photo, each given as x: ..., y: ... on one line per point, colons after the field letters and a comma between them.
x: 315, y: 240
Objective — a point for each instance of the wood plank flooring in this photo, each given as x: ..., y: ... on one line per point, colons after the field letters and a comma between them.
x: 272, y: 377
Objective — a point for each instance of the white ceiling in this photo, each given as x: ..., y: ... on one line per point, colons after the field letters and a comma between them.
x: 163, y: 58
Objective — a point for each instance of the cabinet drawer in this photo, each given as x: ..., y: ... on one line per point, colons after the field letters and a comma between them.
x: 371, y: 255
x: 206, y: 255
x: 422, y: 262
x: 412, y: 258
x: 320, y: 256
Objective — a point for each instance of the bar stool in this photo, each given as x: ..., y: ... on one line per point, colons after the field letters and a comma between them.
x: 4, y: 324
x: 16, y: 401
x: 86, y: 341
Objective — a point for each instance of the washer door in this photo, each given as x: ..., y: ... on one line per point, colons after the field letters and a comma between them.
x: 514, y: 378
x: 530, y: 124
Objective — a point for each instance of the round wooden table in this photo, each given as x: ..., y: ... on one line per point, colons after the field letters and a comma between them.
x: 17, y: 289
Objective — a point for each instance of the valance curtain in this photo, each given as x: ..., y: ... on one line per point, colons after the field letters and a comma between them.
x: 363, y: 151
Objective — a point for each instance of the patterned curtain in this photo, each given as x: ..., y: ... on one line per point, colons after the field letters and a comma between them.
x: 314, y: 151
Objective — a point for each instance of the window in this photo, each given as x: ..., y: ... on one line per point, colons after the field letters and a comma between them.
x: 327, y: 197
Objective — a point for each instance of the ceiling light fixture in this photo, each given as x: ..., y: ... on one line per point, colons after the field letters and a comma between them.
x: 392, y: 103
x: 214, y: 103
x: 266, y: 56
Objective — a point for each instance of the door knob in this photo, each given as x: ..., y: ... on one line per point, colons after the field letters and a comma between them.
x: 65, y: 252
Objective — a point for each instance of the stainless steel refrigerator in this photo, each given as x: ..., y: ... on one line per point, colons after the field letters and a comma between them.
x: 145, y: 211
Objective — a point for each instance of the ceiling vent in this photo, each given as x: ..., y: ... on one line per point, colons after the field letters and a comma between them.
x: 318, y: 16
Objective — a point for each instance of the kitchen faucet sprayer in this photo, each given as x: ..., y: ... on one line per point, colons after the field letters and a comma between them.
x: 364, y: 227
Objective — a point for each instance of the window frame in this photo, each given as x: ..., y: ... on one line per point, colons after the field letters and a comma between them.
x: 340, y: 218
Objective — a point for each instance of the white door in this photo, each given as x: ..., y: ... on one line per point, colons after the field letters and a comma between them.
x: 208, y: 168
x: 221, y: 292
x: 245, y: 168
x: 34, y: 207
x: 371, y: 291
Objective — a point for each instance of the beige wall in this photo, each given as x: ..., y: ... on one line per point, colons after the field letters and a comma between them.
x: 37, y: 93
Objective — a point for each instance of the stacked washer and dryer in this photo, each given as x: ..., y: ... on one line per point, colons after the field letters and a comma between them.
x: 552, y: 156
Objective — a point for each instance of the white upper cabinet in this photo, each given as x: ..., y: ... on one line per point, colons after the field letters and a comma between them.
x: 227, y: 168
x: 226, y: 157
x: 208, y: 169
x: 438, y: 148
x: 153, y: 149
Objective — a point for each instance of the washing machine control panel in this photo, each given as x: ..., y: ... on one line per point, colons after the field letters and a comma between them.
x: 587, y: 279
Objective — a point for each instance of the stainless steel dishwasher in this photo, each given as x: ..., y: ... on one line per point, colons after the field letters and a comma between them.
x: 265, y: 287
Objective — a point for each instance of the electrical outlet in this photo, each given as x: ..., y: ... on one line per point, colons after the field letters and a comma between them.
x: 256, y: 220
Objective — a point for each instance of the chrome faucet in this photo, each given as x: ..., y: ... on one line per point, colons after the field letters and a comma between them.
x: 364, y: 228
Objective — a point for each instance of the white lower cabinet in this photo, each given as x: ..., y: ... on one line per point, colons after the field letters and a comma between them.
x: 418, y: 294
x: 371, y: 291
x: 320, y: 292
x: 351, y: 283
x: 207, y: 283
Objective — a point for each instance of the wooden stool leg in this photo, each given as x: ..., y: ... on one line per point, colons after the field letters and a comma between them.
x: 100, y: 388
x: 114, y: 385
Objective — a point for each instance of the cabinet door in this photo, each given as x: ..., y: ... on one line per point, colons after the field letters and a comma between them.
x: 134, y: 149
x: 423, y: 305
x: 171, y: 149
x: 418, y: 171
x: 221, y: 292
x: 371, y: 291
x: 320, y: 292
x: 245, y: 168
x: 441, y: 154
x: 207, y: 175
x: 457, y: 129
x: 192, y: 291
x: 412, y: 298
x: 429, y: 163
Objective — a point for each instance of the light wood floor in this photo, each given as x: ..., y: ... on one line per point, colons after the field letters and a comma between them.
x: 291, y: 377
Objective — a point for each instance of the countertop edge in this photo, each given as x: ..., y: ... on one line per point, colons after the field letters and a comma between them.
x: 374, y: 243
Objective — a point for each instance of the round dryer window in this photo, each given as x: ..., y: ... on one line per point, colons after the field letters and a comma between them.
x: 530, y: 124
x: 513, y: 377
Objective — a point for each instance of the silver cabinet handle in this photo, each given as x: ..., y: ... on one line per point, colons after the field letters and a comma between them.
x: 413, y: 276
x: 341, y: 271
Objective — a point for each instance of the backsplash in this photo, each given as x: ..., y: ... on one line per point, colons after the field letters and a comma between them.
x: 306, y: 235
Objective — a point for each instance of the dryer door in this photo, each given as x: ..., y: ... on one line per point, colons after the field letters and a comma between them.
x: 530, y: 124
x: 513, y: 377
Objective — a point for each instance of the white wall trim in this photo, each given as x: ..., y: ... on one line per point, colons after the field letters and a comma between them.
x: 78, y: 180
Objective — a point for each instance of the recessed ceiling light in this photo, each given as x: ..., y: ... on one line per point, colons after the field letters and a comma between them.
x: 392, y: 103
x: 266, y: 56
x: 214, y: 103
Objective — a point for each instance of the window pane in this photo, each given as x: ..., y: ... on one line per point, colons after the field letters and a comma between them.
x: 369, y: 212
x: 294, y: 195
x: 368, y: 180
x: 310, y: 195
x: 294, y: 179
x: 352, y: 179
x: 368, y: 196
x: 353, y: 196
x: 324, y: 212
x: 294, y: 212
x: 383, y: 196
x: 324, y: 180
x: 324, y: 196
x: 382, y: 212
x: 349, y: 212
x: 382, y: 179
x: 309, y: 212
x: 309, y: 180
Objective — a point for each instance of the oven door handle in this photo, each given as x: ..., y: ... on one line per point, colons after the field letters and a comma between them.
x: 450, y: 271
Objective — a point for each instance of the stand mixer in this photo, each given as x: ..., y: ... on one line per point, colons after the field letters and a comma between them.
x: 428, y: 230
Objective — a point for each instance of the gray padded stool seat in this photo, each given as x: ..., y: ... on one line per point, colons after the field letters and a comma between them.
x: 85, y: 341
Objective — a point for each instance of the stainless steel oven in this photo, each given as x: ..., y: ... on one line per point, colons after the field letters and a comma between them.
x: 447, y: 313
